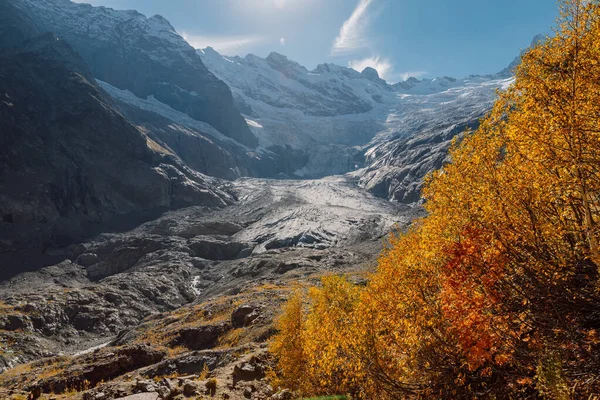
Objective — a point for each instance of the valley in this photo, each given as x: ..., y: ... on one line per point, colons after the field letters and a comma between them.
x: 160, y: 203
x: 279, y: 234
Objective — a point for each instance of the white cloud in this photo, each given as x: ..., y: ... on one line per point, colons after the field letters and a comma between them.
x: 227, y: 45
x: 408, y: 74
x: 282, y: 41
x: 352, y: 33
x: 383, y: 66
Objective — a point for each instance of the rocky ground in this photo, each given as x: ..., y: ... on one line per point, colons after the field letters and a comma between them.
x: 183, y: 306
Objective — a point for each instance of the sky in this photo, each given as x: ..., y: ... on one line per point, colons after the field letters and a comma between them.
x: 399, y: 38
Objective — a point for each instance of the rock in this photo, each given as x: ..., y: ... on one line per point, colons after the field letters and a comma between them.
x: 248, y: 371
x: 190, y: 388
x: 268, y: 390
x: 36, y: 393
x: 201, y: 337
x: 164, y: 392
x: 101, y: 366
x: 283, y: 395
x: 87, y: 259
x: 141, y: 396
x: 214, y: 249
x: 146, y: 386
x: 15, y: 322
x: 211, y: 386
x: 168, y: 384
x: 244, y: 315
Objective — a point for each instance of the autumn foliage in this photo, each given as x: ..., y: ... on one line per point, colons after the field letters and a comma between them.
x: 495, y: 294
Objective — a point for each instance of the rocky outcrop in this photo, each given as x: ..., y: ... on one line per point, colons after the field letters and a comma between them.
x: 244, y: 315
x: 97, y: 368
x: 145, y: 56
x: 250, y: 370
x: 398, y: 168
x: 200, y: 337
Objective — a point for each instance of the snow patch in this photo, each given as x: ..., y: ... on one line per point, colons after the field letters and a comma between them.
x: 91, y: 349
x: 253, y: 124
x: 194, y: 286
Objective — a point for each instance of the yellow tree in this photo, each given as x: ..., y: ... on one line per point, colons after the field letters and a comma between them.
x: 518, y: 207
x: 331, y: 348
x: 288, y: 345
x: 495, y: 292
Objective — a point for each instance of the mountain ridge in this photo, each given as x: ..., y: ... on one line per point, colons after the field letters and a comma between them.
x: 292, y: 105
x: 144, y: 55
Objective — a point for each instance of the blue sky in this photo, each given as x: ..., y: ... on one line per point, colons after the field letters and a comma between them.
x: 399, y: 38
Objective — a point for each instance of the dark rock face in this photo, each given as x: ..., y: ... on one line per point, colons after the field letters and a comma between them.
x: 200, y: 337
x: 244, y: 315
x: 70, y: 165
x: 95, y: 369
x: 250, y: 370
x: 398, y: 168
x: 15, y: 26
x: 145, y: 56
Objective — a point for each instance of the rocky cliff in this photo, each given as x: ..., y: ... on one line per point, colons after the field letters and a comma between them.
x: 145, y: 56
x: 70, y: 164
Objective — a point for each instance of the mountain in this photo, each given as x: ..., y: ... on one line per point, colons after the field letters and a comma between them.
x: 388, y: 137
x: 295, y: 123
x: 396, y: 164
x: 145, y: 56
x: 71, y: 164
x: 117, y: 230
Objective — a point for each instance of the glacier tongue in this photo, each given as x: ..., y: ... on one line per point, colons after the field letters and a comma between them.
x: 321, y: 213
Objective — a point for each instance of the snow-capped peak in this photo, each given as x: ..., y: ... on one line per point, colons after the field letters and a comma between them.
x: 108, y: 25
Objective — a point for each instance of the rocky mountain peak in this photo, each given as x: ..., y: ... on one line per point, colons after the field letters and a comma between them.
x: 278, y: 58
x: 284, y: 65
x: 129, y: 51
x: 209, y: 50
x: 162, y: 21
x: 370, y: 73
x: 508, y: 71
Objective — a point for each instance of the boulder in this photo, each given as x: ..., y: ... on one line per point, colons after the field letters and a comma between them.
x: 283, y: 395
x: 200, y: 337
x: 249, y: 370
x: 244, y: 315
x: 141, y: 396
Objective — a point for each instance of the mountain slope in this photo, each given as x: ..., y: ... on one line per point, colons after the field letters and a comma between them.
x: 397, y: 164
x: 71, y: 165
x: 143, y: 55
x: 387, y: 136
